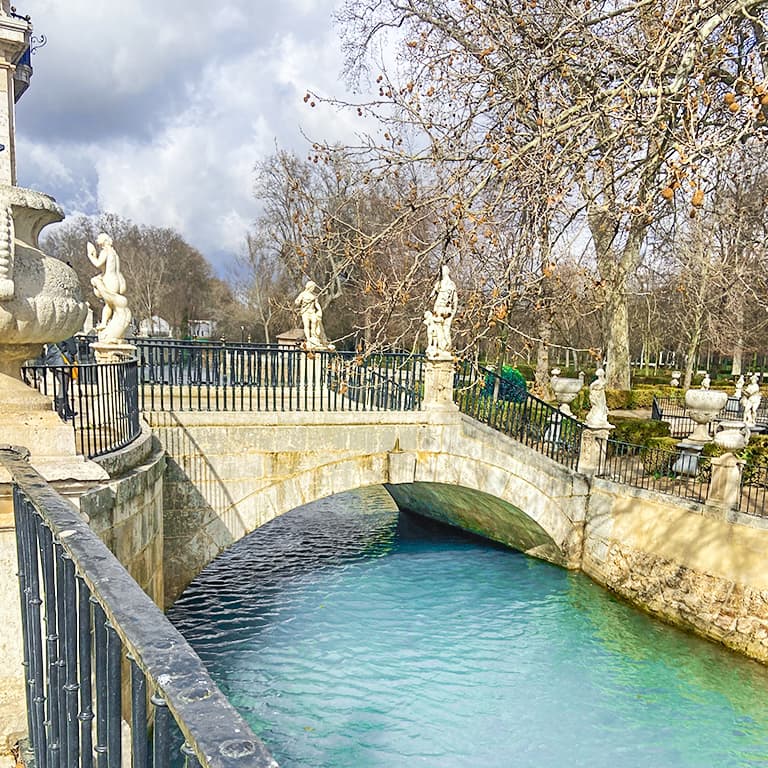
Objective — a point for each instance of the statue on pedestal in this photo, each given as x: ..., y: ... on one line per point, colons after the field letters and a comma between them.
x: 312, y: 317
x: 751, y: 400
x: 739, y: 387
x: 109, y: 286
x: 439, y: 320
x: 706, y: 382
x: 598, y: 411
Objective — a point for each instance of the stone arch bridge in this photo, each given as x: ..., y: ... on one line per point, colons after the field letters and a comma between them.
x: 228, y: 473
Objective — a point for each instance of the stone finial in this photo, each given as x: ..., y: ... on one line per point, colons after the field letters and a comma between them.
x: 438, y: 320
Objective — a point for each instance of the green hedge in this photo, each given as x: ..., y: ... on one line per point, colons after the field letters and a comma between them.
x: 638, y: 431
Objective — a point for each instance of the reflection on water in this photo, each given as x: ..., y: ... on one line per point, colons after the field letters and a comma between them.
x: 350, y: 635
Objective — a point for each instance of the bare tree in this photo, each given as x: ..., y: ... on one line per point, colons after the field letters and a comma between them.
x: 598, y: 113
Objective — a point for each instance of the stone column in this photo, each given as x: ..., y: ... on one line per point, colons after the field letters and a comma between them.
x: 593, y: 442
x: 438, y: 385
x: 725, y: 485
x: 14, y: 40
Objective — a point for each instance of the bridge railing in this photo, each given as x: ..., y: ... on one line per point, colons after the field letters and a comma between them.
x: 194, y: 376
x: 754, y: 489
x: 100, y: 400
x: 85, y: 622
x: 511, y: 409
x: 656, y: 469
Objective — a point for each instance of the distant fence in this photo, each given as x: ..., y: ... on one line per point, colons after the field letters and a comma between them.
x: 85, y: 621
x: 100, y: 400
x: 210, y: 376
x: 673, y: 411
x: 754, y: 489
x: 655, y: 469
x: 485, y: 396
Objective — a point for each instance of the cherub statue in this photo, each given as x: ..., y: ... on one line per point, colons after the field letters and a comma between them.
x: 109, y: 286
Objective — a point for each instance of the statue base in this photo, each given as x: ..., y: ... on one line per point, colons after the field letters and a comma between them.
x: 113, y: 352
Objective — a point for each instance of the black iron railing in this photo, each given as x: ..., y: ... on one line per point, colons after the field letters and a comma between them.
x: 101, y: 401
x: 85, y: 621
x: 485, y: 396
x: 211, y: 376
x: 754, y: 489
x: 674, y: 472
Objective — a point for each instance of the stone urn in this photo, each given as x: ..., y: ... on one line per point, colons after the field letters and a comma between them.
x: 565, y: 389
x: 40, y: 298
x: 732, y: 435
x: 703, y: 405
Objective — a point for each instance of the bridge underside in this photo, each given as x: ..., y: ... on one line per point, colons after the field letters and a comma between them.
x: 477, y: 512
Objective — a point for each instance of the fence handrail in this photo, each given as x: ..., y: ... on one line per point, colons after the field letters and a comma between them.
x: 684, y: 471
x: 560, y: 441
x: 216, y: 732
x: 100, y: 400
x: 186, y: 376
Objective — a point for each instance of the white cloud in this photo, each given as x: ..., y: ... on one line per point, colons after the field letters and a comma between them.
x: 159, y: 111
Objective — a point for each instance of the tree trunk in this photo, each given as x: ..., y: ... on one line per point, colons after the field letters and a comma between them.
x: 541, y: 380
x: 691, y: 356
x: 616, y: 330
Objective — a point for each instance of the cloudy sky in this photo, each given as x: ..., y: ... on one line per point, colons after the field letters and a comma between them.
x: 158, y: 110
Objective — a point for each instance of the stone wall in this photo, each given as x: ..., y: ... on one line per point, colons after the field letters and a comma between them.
x: 127, y: 511
x: 699, y: 567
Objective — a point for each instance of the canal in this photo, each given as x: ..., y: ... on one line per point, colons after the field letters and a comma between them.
x: 351, y: 635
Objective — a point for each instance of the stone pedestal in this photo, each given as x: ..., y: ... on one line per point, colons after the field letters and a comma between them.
x: 725, y: 485
x: 688, y: 461
x: 438, y: 385
x: 113, y: 353
x: 593, y: 441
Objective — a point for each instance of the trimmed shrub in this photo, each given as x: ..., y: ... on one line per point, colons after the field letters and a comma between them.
x: 512, y: 386
x: 638, y: 431
x: 659, y: 455
x: 618, y: 399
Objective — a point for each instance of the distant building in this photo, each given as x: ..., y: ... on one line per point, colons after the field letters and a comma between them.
x: 202, y: 329
x: 154, y: 326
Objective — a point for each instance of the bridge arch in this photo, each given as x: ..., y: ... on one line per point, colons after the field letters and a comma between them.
x: 226, y: 477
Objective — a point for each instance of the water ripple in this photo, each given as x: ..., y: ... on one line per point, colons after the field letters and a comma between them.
x: 349, y: 635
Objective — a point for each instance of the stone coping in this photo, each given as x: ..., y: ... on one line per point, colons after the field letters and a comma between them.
x: 300, y: 418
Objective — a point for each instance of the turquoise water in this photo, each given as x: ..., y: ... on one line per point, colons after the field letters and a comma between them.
x: 351, y: 636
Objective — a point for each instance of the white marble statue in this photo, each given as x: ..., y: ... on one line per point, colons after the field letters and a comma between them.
x: 439, y: 320
x: 675, y: 381
x: 751, y: 400
x: 739, y: 387
x: 109, y: 286
x: 312, y: 317
x: 706, y: 382
x: 598, y: 411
